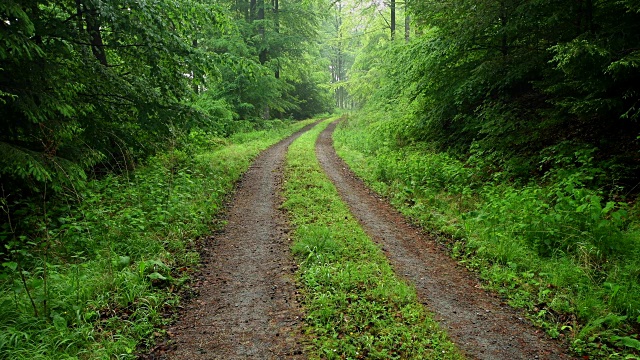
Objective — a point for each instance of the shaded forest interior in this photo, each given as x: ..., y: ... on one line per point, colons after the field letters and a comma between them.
x: 486, y: 105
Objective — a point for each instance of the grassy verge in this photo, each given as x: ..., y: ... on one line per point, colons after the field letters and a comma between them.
x: 558, y: 250
x: 356, y: 307
x: 99, y: 275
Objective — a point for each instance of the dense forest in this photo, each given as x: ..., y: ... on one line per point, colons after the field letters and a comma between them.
x: 89, y: 84
x: 522, y: 83
x: 509, y: 127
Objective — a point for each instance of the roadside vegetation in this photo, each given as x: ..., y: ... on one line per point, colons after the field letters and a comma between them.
x: 566, y: 253
x: 122, y: 127
x: 356, y: 308
x: 510, y: 129
x: 101, y: 270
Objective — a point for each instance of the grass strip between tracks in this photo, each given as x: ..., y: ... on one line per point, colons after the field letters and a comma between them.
x: 356, y: 307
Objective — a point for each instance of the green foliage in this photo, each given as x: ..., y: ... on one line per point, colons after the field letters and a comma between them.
x: 510, y: 80
x: 509, y: 127
x: 83, y: 81
x: 114, y: 116
x: 91, y: 86
x: 312, y: 97
x: 94, y: 275
x: 267, y: 68
x: 356, y: 307
x: 565, y: 252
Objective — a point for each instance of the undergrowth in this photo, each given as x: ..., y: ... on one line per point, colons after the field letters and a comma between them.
x: 99, y: 270
x: 356, y: 308
x: 566, y: 253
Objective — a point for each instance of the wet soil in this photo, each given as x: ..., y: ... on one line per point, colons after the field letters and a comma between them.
x: 480, y: 324
x: 246, y: 307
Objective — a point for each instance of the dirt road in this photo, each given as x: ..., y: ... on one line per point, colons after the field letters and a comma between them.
x: 475, y: 320
x: 246, y: 308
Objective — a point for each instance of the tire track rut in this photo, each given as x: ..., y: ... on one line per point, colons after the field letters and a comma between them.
x: 247, y: 307
x: 478, y: 322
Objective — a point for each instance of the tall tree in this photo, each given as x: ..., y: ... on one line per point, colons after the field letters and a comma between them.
x: 263, y: 50
x: 514, y: 79
x: 78, y: 77
x: 407, y: 21
x: 392, y: 8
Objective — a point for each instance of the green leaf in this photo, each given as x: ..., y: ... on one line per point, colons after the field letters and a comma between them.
x: 156, y: 276
x: 59, y: 322
x: 124, y: 261
x: 11, y: 265
x: 626, y: 341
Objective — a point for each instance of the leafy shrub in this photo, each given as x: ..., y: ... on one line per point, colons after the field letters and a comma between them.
x: 559, y: 218
x: 561, y: 247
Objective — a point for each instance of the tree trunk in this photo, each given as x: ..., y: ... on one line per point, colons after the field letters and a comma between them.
x: 588, y: 16
x: 276, y: 21
x: 242, y: 7
x: 92, y: 20
x: 407, y: 27
x: 407, y: 22
x: 261, y: 31
x: 393, y: 19
x: 252, y: 10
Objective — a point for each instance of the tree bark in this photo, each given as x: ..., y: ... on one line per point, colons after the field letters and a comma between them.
x: 92, y: 21
x: 407, y: 22
x: 393, y: 19
x: 407, y: 27
x: 252, y: 10
x: 261, y: 31
x: 276, y: 20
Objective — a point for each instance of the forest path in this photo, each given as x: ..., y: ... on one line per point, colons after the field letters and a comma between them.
x: 247, y: 307
x: 478, y: 322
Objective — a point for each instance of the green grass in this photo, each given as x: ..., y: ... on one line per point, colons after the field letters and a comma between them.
x: 356, y: 308
x: 113, y: 261
x: 558, y: 250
